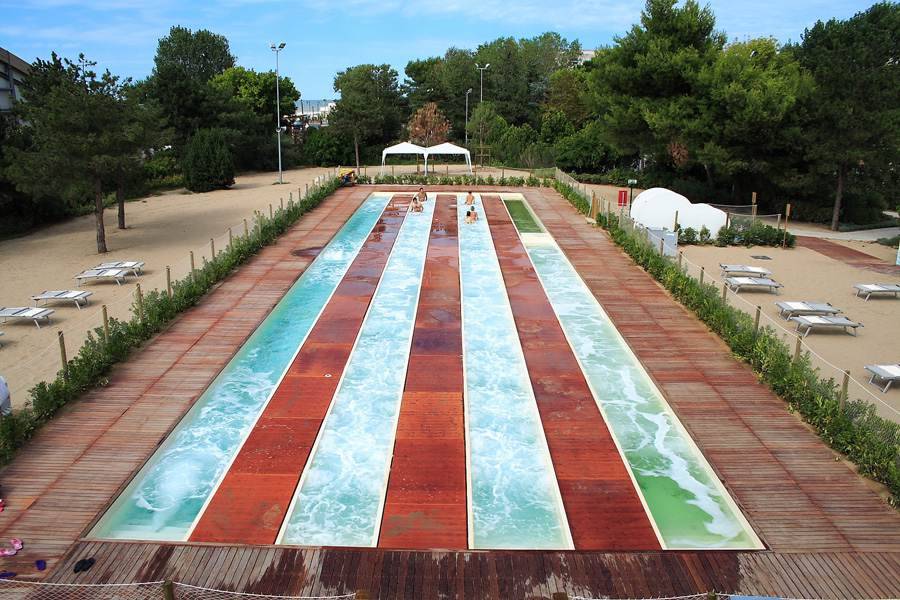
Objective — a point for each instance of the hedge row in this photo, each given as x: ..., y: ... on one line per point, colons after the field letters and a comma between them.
x: 461, y: 180
x: 870, y: 441
x: 89, y: 367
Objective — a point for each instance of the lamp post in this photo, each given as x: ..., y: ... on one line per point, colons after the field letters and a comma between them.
x: 481, y: 91
x: 468, y: 91
x: 631, y: 184
x: 276, y: 50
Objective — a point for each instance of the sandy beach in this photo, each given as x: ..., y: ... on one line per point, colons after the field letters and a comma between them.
x: 811, y: 276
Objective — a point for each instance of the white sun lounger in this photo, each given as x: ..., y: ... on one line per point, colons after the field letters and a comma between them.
x: 805, y: 324
x: 29, y: 313
x: 731, y: 270
x: 135, y: 266
x: 794, y: 309
x: 888, y: 374
x: 736, y: 283
x: 118, y: 275
x: 76, y: 296
x: 869, y: 289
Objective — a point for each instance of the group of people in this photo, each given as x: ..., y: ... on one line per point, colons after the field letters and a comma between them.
x: 418, y: 201
x: 419, y: 198
x: 471, y: 215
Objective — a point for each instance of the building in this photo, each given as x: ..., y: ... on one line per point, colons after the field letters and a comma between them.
x: 12, y: 71
x: 586, y: 56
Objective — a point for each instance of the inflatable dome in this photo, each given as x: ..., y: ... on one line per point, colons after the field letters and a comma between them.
x: 655, y: 208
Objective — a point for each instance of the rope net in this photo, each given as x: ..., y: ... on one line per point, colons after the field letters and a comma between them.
x: 184, y: 591
x: 14, y: 590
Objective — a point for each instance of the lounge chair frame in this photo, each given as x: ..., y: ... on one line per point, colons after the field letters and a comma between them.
x: 76, y: 296
x: 786, y: 310
x: 805, y: 324
x: 736, y: 283
x: 879, y: 372
x: 118, y: 275
x: 876, y: 288
x: 729, y: 270
x: 34, y: 314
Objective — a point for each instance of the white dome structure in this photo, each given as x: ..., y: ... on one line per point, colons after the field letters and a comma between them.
x: 655, y: 209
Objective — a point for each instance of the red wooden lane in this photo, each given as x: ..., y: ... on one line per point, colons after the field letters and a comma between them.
x: 602, y: 505
x: 426, y: 494
x: 252, y: 500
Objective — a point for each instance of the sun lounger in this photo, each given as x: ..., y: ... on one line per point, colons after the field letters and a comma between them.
x: 736, y: 283
x: 869, y: 289
x: 135, y: 266
x: 805, y: 324
x: 887, y: 374
x: 26, y: 312
x: 794, y: 309
x: 76, y: 296
x: 731, y: 270
x: 119, y: 275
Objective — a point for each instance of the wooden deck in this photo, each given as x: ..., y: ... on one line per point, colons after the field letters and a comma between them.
x: 829, y: 533
x: 426, y: 493
x: 602, y: 506
x: 252, y: 501
x: 849, y: 256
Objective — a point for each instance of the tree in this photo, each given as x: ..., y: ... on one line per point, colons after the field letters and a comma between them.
x: 198, y: 56
x: 585, y: 151
x: 486, y: 125
x: 75, y: 135
x: 854, y: 123
x: 567, y: 95
x: 257, y: 90
x: 208, y: 163
x: 512, y: 144
x: 370, y: 105
x: 555, y: 125
x: 428, y: 126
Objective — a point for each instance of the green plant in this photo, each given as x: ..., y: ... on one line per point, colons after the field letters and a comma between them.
x: 704, y: 235
x: 870, y: 441
x: 891, y: 241
x: 688, y: 235
x: 88, y: 368
x: 207, y: 163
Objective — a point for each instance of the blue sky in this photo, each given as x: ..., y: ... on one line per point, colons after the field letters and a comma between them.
x: 324, y: 37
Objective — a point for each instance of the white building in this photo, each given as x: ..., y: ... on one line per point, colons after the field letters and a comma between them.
x: 12, y: 71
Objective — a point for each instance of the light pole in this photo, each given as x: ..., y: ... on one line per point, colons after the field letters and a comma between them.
x: 481, y: 91
x: 468, y: 91
x: 276, y: 50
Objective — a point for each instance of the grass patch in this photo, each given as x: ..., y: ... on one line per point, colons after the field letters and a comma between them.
x: 522, y: 217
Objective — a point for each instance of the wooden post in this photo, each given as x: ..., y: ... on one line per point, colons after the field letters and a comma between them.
x: 778, y: 222
x: 417, y: 167
x: 675, y: 227
x: 192, y: 263
x: 212, y: 248
x: 702, y: 271
x: 168, y: 590
x: 756, y: 320
x: 246, y: 229
x: 753, y: 208
x: 290, y: 198
x: 168, y: 281
x: 270, y: 210
x: 662, y: 246
x: 140, y: 301
x: 843, y: 398
x: 230, y: 238
x: 62, y: 354
x: 787, y: 217
x: 281, y: 200
x: 724, y: 291
x: 797, y: 348
x: 307, y: 190
x: 680, y: 257
x: 105, y: 324
x: 727, y: 219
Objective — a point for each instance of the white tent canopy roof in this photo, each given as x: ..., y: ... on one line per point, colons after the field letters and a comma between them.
x: 404, y: 148
x: 446, y: 148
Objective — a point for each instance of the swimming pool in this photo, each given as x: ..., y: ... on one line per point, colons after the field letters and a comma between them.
x: 513, y: 497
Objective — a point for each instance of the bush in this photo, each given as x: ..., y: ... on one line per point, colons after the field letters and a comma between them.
x: 688, y: 235
x: 97, y: 355
x: 870, y: 441
x: 704, y: 235
x: 208, y: 163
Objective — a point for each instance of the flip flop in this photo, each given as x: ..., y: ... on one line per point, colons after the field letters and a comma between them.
x: 8, y: 551
x: 16, y: 543
x: 88, y: 564
x: 7, y: 574
x: 83, y: 565
x: 41, y: 564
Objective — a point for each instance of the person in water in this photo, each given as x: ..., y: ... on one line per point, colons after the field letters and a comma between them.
x: 470, y: 199
x: 416, y: 205
x: 421, y: 195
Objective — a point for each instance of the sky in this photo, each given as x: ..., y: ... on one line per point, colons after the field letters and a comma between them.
x: 325, y: 36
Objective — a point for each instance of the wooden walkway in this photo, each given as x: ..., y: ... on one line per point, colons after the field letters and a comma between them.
x: 63, y: 479
x: 399, y: 575
x: 602, y: 506
x: 849, y: 256
x: 426, y: 493
x: 252, y: 501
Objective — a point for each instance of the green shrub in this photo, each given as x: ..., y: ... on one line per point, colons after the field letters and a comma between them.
x: 704, y: 235
x: 688, y: 235
x: 88, y: 368
x: 208, y: 163
x: 870, y: 441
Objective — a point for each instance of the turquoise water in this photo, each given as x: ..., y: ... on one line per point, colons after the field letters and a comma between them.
x: 340, y: 498
x: 514, y: 498
x: 167, y: 495
x: 688, y: 503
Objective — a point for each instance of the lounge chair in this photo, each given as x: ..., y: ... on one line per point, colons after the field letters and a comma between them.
x: 76, y: 296
x: 888, y: 374
x: 736, y: 283
x: 135, y: 266
x: 805, y: 324
x: 795, y: 309
x: 118, y: 275
x: 870, y: 289
x: 29, y: 313
x: 731, y: 270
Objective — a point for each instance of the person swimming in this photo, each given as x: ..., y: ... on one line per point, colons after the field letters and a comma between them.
x: 470, y: 199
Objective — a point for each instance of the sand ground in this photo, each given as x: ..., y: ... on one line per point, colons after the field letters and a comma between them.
x: 808, y: 275
x: 162, y: 230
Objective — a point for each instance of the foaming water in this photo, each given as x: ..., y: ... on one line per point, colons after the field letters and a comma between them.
x: 165, y: 498
x: 689, y: 505
x: 515, y: 501
x: 340, y: 497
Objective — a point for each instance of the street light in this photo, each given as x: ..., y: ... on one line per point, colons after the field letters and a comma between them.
x: 481, y: 91
x: 276, y: 50
x: 468, y: 91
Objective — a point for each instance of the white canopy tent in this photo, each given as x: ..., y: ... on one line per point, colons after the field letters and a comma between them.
x: 448, y: 148
x: 403, y: 148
